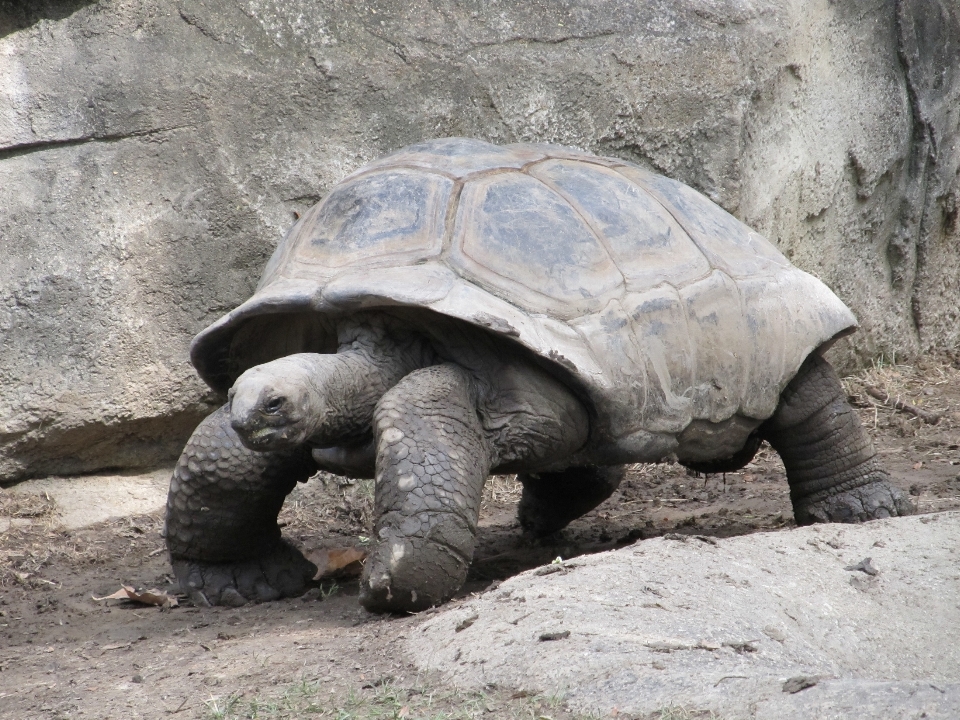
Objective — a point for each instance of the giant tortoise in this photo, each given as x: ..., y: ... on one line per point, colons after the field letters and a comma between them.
x: 458, y: 309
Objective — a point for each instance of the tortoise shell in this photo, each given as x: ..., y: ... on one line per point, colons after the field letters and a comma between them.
x: 679, y: 323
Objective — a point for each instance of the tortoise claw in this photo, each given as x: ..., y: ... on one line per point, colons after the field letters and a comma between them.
x: 873, y: 501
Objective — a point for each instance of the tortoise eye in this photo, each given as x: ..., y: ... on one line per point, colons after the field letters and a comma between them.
x: 274, y: 405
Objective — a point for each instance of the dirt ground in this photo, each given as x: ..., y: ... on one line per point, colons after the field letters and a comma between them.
x: 65, y: 655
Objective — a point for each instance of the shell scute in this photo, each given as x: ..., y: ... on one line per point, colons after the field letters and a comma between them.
x: 514, y: 233
x: 390, y: 216
x: 659, y: 319
x: 647, y: 243
x: 727, y: 243
x: 716, y: 329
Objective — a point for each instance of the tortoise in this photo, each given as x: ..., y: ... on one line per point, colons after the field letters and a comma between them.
x: 458, y: 309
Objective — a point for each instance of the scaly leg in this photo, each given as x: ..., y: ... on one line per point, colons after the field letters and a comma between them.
x: 221, y: 525
x: 831, y: 465
x: 432, y: 460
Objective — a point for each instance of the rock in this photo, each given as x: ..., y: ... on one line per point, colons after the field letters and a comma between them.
x: 800, y: 682
x: 153, y: 153
x: 737, y: 629
x: 83, y: 501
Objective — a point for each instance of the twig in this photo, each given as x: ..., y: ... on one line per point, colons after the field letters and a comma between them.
x: 730, y: 677
x: 931, y: 418
x: 179, y: 708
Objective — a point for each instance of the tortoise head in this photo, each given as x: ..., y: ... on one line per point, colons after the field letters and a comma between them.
x: 275, y: 406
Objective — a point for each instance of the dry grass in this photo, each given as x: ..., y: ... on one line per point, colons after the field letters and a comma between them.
x: 500, y: 490
x: 930, y: 385
x: 25, y: 505
x: 27, y: 550
x: 329, y: 504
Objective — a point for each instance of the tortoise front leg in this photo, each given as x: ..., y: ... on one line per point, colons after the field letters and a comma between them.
x: 432, y: 460
x: 832, y: 468
x: 221, y: 525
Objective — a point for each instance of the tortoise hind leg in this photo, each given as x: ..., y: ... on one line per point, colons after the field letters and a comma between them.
x: 832, y: 468
x: 221, y: 524
x: 551, y: 500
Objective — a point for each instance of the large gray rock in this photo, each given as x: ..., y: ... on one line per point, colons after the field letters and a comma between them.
x: 723, y: 625
x: 152, y: 154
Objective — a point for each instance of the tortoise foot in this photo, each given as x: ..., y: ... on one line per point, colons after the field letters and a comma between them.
x: 281, y: 572
x: 409, y: 574
x: 872, y: 501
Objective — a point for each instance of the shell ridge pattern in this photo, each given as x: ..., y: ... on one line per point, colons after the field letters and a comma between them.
x: 743, y: 350
x: 659, y: 201
x: 450, y: 225
x: 695, y: 359
x: 411, y: 167
x: 724, y: 241
x: 470, y: 275
x: 642, y: 407
x: 587, y: 220
x: 716, y: 330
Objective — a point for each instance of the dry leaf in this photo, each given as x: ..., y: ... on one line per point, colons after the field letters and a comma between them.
x: 145, y: 597
x: 918, y: 465
x: 337, y: 562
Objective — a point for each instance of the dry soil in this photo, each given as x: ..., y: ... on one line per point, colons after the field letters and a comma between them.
x: 64, y: 654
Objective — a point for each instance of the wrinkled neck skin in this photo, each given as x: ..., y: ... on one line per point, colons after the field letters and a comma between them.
x: 324, y: 399
x: 533, y: 422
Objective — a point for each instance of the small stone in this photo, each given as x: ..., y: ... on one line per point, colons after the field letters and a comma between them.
x: 774, y: 633
x: 863, y: 566
x: 549, y: 636
x: 467, y: 622
x: 800, y: 682
x: 137, y: 678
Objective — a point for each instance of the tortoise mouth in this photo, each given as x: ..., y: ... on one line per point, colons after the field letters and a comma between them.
x: 266, y: 438
x: 262, y: 436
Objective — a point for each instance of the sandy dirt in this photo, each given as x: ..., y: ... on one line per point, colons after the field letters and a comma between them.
x: 65, y: 655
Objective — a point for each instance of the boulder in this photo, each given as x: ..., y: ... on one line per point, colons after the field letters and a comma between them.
x: 153, y: 153
x: 826, y: 621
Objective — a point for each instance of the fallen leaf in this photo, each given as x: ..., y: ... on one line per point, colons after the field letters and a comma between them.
x: 144, y: 597
x: 337, y: 562
x: 917, y: 466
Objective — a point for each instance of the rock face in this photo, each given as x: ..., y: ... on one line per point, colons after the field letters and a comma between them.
x: 153, y: 153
